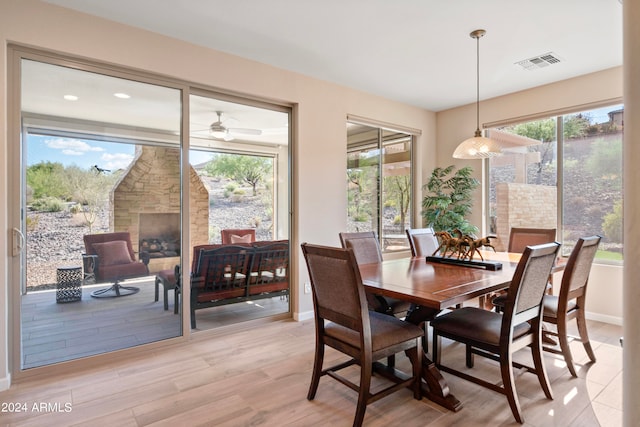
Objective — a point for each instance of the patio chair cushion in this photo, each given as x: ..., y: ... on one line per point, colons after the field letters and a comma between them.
x: 247, y: 238
x: 113, y: 253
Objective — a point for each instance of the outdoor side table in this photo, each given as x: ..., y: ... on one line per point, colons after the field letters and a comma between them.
x: 69, y: 284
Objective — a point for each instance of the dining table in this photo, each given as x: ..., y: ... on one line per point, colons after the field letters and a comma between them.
x: 432, y: 287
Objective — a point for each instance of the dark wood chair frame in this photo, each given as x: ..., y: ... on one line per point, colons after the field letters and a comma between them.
x: 571, y: 302
x: 344, y: 322
x: 497, y: 336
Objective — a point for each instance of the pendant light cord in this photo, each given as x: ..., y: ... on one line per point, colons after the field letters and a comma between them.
x: 478, y: 86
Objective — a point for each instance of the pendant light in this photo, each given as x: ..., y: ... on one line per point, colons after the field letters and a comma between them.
x: 477, y: 147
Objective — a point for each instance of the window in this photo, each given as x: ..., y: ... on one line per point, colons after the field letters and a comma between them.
x: 561, y: 172
x: 379, y: 183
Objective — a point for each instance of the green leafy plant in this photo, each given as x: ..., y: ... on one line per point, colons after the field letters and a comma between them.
x: 448, y: 199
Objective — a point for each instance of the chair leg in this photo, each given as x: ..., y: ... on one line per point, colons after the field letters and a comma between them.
x: 436, y: 348
x: 157, y: 285
x: 584, y: 336
x: 317, y: 371
x: 363, y: 395
x: 469, y: 356
x: 176, y: 299
x: 193, y: 310
x: 564, y: 346
x: 538, y: 363
x: 508, y: 382
x: 165, y: 287
x: 415, y: 355
x: 391, y: 361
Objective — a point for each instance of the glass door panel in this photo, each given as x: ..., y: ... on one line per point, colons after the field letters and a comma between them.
x: 101, y: 203
x: 240, y: 174
x: 379, y: 184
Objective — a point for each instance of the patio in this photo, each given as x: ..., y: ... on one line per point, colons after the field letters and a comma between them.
x: 56, y: 332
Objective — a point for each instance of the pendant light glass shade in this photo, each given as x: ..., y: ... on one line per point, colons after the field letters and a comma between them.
x: 478, y: 147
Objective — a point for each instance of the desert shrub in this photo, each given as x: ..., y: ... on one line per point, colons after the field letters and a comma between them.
x: 32, y: 222
x: 48, y: 204
x: 361, y: 218
x: 612, y: 223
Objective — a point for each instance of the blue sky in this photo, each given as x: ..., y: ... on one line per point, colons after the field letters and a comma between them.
x: 85, y: 153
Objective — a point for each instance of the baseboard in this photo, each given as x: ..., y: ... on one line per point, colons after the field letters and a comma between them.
x: 5, y: 383
x: 614, y: 320
x: 305, y: 315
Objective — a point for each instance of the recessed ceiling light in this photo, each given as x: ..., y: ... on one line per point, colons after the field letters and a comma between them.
x: 70, y: 97
x: 121, y: 95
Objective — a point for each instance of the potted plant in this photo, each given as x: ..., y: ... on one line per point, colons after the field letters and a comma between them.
x: 449, y: 199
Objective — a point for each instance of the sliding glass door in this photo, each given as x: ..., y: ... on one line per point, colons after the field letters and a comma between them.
x: 99, y: 165
x: 100, y: 178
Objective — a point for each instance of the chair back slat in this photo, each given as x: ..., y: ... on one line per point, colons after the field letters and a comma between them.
x: 365, y: 245
x: 338, y: 293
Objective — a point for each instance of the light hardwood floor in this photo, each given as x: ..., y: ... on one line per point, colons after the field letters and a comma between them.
x: 260, y: 376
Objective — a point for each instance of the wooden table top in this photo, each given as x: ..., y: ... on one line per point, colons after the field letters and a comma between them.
x: 437, y: 285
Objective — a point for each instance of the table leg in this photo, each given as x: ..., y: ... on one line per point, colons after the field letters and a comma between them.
x: 434, y: 387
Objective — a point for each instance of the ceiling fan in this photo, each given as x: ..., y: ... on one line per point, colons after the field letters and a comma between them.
x: 218, y: 130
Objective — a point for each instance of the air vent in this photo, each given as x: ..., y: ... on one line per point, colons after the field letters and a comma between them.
x: 539, y: 61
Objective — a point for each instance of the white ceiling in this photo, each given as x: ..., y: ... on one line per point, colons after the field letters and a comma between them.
x: 415, y: 51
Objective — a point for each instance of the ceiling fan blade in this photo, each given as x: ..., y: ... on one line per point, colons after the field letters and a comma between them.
x: 245, y: 131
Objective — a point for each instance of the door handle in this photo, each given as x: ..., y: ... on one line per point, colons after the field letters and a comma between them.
x: 18, y: 242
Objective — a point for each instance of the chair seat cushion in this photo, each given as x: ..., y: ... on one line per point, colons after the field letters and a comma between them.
x: 472, y: 323
x: 167, y: 277
x: 386, y: 331
x: 550, y: 305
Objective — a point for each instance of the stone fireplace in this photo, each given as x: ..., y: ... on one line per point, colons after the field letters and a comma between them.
x: 146, y: 203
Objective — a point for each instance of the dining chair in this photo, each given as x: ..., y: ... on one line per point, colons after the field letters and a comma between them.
x: 571, y: 301
x: 366, y: 249
x: 344, y: 322
x: 497, y: 336
x: 519, y: 239
x: 423, y: 241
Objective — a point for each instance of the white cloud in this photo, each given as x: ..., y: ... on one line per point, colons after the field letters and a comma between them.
x: 73, y: 147
x: 115, y: 161
x: 72, y: 152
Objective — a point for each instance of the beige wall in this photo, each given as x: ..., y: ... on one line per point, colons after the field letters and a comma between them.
x: 319, y: 193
